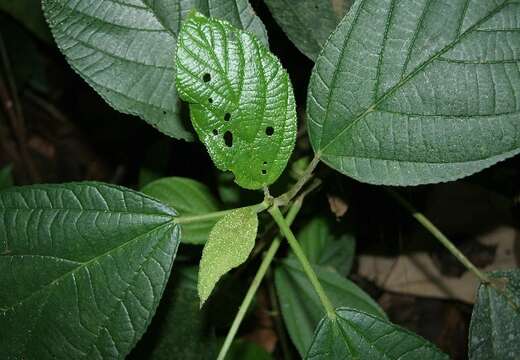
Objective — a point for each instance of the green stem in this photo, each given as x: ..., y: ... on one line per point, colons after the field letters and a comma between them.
x: 295, y: 189
x: 246, y: 302
x: 218, y: 214
x: 307, y: 268
x: 427, y: 224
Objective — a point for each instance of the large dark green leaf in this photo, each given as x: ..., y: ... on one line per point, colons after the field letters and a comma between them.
x: 125, y: 49
x: 495, y: 322
x: 358, y: 335
x: 180, y: 330
x: 412, y: 92
x: 241, y: 100
x: 82, y: 269
x: 301, y: 307
x: 188, y: 197
x: 308, y: 23
x: 323, y: 248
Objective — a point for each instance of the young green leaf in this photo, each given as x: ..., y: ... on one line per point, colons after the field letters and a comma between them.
x: 241, y: 99
x: 6, y: 177
x: 324, y: 249
x: 358, y: 335
x: 495, y: 322
x: 308, y: 23
x: 301, y: 307
x: 179, y: 330
x: 82, y: 269
x: 415, y: 92
x: 124, y: 50
x: 188, y: 197
x: 229, y: 244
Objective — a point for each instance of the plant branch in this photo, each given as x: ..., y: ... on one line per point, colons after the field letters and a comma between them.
x: 307, y: 267
x: 432, y: 229
x: 246, y: 302
x: 284, y: 199
x: 218, y: 214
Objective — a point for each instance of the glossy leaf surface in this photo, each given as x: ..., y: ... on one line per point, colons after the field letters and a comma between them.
x: 323, y: 248
x: 495, y: 322
x: 241, y: 100
x: 189, y: 198
x: 414, y: 92
x: 229, y: 244
x: 82, y: 269
x: 358, y: 335
x: 125, y: 49
x: 308, y: 23
x: 301, y: 307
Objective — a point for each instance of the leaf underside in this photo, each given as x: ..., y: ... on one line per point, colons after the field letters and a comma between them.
x: 229, y: 244
x: 189, y: 198
x: 124, y: 50
x: 413, y: 92
x: 241, y: 100
x: 357, y: 335
x: 82, y: 268
x: 301, y: 307
x: 495, y: 322
x: 308, y: 23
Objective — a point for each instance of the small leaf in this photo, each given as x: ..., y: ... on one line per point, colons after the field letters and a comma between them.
x: 301, y: 307
x: 6, y: 177
x: 124, y: 50
x: 495, y: 322
x: 188, y: 197
x: 241, y: 99
x: 229, y: 244
x: 179, y: 330
x: 358, y: 335
x: 406, y: 92
x: 324, y: 249
x: 308, y: 23
x: 82, y: 268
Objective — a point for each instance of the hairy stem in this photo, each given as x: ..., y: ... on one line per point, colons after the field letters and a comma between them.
x: 432, y: 229
x: 307, y: 268
x: 295, y: 189
x: 218, y: 214
x: 246, y: 302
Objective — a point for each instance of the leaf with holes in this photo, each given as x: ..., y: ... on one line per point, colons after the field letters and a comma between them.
x: 301, y: 308
x: 308, y: 23
x: 82, y: 268
x: 495, y: 322
x: 229, y: 244
x: 358, y: 335
x: 189, y: 198
x: 241, y: 100
x: 414, y: 92
x: 124, y: 49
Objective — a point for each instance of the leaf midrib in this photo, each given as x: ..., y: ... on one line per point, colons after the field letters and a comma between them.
x: 84, y: 265
x: 417, y: 70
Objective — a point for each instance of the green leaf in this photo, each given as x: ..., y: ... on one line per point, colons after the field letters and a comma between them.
x: 324, y: 249
x: 229, y: 244
x: 188, y: 197
x: 125, y: 50
x: 495, y: 322
x: 6, y: 177
x: 358, y: 335
x: 82, y: 269
x: 414, y: 92
x: 241, y: 99
x: 308, y: 23
x: 247, y: 350
x: 180, y: 330
x: 29, y: 15
x: 301, y: 307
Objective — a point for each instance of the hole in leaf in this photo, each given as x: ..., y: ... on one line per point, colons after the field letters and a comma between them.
x: 264, y: 171
x: 228, y: 138
x: 227, y: 117
x: 269, y: 130
x: 206, y: 77
x: 164, y: 112
x: 265, y: 163
x: 215, y: 132
x: 210, y: 100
